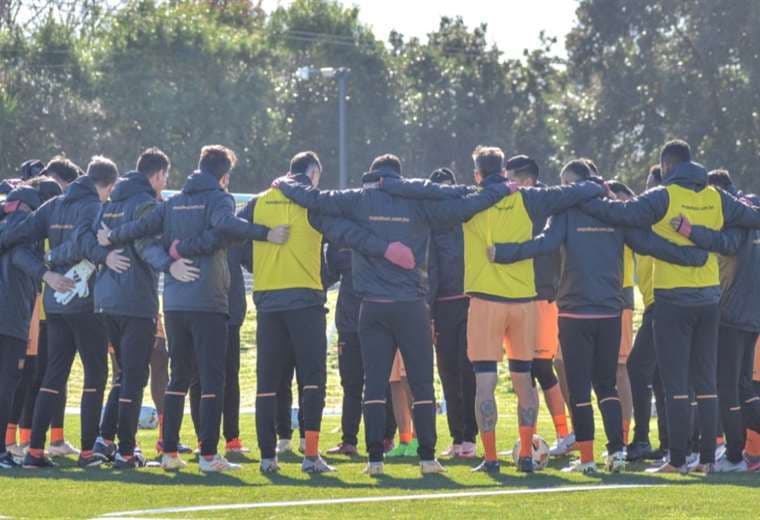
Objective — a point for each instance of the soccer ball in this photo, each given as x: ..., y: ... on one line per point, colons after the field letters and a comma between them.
x: 540, y: 452
x: 148, y: 418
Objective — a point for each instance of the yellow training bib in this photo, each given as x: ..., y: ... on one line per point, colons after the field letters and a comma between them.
x: 295, y: 264
x: 702, y: 208
x: 505, y: 222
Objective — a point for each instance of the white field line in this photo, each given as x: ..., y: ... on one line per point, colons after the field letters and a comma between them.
x: 370, y: 499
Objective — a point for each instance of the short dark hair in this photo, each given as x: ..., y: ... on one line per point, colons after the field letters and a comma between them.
x: 591, y: 165
x: 655, y: 171
x: 152, y: 161
x: 31, y: 169
x: 578, y: 167
x: 489, y: 160
x: 442, y: 175
x: 301, y: 162
x: 720, y: 178
x: 45, y: 186
x: 102, y: 171
x: 617, y: 187
x: 217, y: 160
x: 675, y: 152
x: 387, y: 160
x: 523, y: 166
x: 63, y: 168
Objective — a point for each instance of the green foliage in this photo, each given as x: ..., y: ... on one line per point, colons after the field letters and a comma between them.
x: 646, y: 71
x: 178, y: 74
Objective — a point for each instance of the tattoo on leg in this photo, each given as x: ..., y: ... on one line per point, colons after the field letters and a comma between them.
x: 527, y: 416
x: 488, y: 415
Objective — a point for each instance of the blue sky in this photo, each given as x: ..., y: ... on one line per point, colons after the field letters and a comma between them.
x: 512, y: 24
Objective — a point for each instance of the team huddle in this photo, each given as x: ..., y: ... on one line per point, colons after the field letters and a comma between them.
x: 508, y: 267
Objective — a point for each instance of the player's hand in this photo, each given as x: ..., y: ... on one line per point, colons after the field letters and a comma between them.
x: 491, y: 252
x: 117, y: 262
x: 279, y: 234
x: 58, y: 282
x: 682, y: 225
x: 183, y: 270
x: 400, y: 255
x: 103, y: 238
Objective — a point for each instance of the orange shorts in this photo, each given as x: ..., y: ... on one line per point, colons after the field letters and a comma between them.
x: 32, y: 345
x: 756, y: 370
x: 398, y: 370
x: 547, y: 330
x: 626, y: 336
x: 495, y: 327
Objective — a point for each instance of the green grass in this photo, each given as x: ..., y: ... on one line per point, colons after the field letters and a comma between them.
x: 69, y: 492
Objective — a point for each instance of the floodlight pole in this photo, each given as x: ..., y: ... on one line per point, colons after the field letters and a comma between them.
x: 341, y: 74
x: 342, y: 130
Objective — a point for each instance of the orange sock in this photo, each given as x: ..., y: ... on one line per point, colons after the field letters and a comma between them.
x: 587, y: 451
x: 405, y: 438
x: 560, y: 424
x: 10, y: 434
x: 526, y: 440
x: 35, y: 452
x: 489, y: 444
x: 626, y: 429
x: 753, y: 443
x: 312, y: 444
x: 85, y: 453
x: 161, y: 428
x: 25, y: 435
x: 56, y: 435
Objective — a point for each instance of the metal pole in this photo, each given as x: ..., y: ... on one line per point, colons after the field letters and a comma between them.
x: 342, y: 142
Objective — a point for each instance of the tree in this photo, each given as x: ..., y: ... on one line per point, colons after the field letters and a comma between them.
x: 645, y: 71
x: 459, y: 93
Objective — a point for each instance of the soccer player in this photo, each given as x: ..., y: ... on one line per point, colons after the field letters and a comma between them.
x: 624, y: 193
x: 289, y: 296
x: 687, y: 312
x: 394, y: 314
x: 642, y: 362
x: 126, y: 294
x: 338, y: 261
x: 238, y: 308
x: 590, y: 304
x: 58, y: 174
x: 503, y: 299
x: 525, y: 171
x: 739, y: 324
x: 449, y: 308
x: 196, y: 301
x: 21, y: 272
x: 752, y: 448
x: 402, y: 400
x: 73, y: 325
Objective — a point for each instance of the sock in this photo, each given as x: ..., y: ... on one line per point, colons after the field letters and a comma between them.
x: 626, y: 429
x: 489, y: 444
x: 161, y: 428
x: 312, y: 444
x: 36, y: 452
x: 405, y: 438
x: 25, y: 435
x: 526, y: 440
x: 56, y: 435
x: 560, y: 424
x: 86, y: 453
x: 753, y: 443
x: 587, y: 451
x: 10, y: 434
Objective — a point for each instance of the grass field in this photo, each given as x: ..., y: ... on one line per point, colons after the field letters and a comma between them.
x: 69, y: 492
